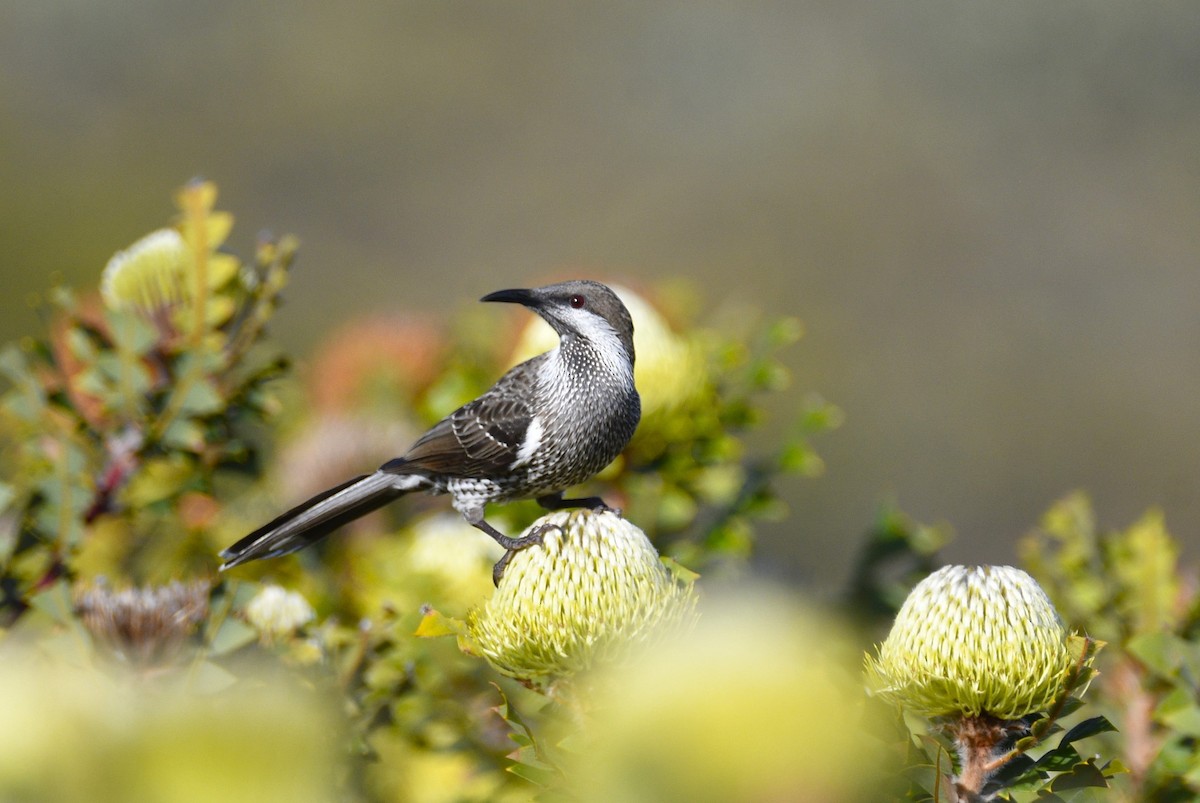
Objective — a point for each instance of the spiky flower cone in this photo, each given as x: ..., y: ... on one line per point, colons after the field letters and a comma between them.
x: 592, y: 589
x: 981, y: 647
x: 973, y: 640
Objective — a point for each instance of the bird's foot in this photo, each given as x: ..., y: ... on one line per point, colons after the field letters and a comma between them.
x: 514, y: 545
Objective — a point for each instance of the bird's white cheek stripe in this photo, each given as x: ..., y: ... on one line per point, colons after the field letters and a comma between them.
x: 533, y: 439
x: 607, y: 345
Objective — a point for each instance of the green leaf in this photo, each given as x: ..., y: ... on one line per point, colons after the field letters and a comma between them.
x: 539, y: 776
x: 202, y: 398
x: 1060, y: 759
x: 1086, y: 774
x: 184, y: 433
x: 233, y: 635
x: 160, y: 478
x: 1160, y: 651
x: 1089, y: 727
x: 55, y: 602
x: 130, y: 331
x: 80, y: 345
x: 434, y: 624
x: 1184, y: 721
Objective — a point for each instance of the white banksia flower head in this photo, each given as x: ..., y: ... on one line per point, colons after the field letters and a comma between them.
x: 149, y: 276
x: 276, y: 612
x: 669, y: 370
x: 592, y: 590
x: 972, y: 641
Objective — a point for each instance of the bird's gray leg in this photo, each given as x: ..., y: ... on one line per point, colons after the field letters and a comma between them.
x: 511, y: 545
x: 556, y: 502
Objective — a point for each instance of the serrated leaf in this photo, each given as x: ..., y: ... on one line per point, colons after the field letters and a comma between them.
x: 1018, y: 770
x: 1089, y: 727
x: 1069, y: 706
x: 435, y: 625
x: 679, y: 571
x: 1085, y: 795
x: 539, y: 776
x: 1086, y: 774
x: 1059, y: 759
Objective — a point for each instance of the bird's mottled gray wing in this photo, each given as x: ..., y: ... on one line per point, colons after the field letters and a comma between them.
x: 481, y: 438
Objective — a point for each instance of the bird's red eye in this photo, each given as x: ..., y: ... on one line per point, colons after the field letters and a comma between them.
x: 578, y: 301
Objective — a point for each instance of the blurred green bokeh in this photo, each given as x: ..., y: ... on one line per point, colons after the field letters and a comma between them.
x: 985, y: 215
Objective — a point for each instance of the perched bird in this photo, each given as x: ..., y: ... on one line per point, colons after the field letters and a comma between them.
x: 549, y: 423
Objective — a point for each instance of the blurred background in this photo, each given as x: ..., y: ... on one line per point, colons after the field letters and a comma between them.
x: 987, y: 216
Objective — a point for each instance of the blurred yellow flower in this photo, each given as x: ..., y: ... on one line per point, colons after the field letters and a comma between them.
x: 82, y: 735
x: 150, y: 275
x: 756, y: 703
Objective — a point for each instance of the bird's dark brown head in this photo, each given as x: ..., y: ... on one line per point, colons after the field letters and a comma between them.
x: 578, y: 308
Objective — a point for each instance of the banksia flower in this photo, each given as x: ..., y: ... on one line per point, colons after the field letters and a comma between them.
x: 149, y: 276
x: 973, y: 640
x: 981, y: 648
x: 592, y: 589
x: 276, y: 612
x: 749, y: 705
x: 145, y: 627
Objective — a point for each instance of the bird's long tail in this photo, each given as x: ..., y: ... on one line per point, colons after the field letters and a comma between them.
x: 311, y: 521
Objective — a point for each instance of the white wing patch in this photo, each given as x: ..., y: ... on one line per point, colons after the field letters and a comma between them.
x: 533, y: 439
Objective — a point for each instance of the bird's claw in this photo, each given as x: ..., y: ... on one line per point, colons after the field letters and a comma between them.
x: 514, y: 545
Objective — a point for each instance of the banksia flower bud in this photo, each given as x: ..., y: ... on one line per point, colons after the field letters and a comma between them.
x: 276, y: 612
x: 594, y: 587
x: 973, y: 641
x: 148, y: 276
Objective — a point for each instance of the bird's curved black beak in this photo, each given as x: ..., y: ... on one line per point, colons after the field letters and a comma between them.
x: 525, y: 297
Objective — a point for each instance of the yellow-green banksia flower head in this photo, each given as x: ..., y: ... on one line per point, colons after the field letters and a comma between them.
x: 594, y: 588
x: 149, y: 276
x: 970, y: 641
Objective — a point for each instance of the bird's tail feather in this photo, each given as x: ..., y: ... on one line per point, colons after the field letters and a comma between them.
x: 311, y: 521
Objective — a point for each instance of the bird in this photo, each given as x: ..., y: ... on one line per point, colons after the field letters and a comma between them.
x: 549, y: 423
